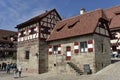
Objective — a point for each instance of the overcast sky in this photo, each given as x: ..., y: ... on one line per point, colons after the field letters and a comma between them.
x: 14, y: 12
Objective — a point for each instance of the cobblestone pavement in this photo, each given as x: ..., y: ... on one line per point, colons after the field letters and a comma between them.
x: 111, y: 72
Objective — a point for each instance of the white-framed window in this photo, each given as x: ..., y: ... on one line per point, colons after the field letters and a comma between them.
x: 83, y: 47
x: 55, y: 49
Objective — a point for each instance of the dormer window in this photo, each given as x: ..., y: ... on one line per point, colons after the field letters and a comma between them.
x: 5, y: 38
x: 60, y: 28
x: 73, y: 24
x: 117, y: 13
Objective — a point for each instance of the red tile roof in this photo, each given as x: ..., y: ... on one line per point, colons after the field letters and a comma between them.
x: 6, y: 34
x: 113, y: 14
x: 115, y: 22
x: 39, y: 17
x: 85, y: 24
x: 110, y: 13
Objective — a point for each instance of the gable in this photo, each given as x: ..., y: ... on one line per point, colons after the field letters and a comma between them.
x: 50, y: 18
x: 102, y: 28
x: 38, y: 18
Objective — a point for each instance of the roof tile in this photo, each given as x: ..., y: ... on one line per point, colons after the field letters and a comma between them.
x: 86, y: 25
x: 6, y: 34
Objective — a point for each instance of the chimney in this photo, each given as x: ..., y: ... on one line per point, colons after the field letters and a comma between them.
x: 82, y: 11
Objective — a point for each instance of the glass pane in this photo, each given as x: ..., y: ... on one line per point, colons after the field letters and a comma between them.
x: 82, y: 44
x: 85, y: 44
x: 55, y: 49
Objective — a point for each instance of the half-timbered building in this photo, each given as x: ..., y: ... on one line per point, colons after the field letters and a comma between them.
x: 80, y: 44
x: 32, y: 45
x: 113, y: 15
x: 8, y: 46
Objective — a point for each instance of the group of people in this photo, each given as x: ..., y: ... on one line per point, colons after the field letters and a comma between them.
x: 10, y: 66
x: 7, y: 66
x: 3, y: 66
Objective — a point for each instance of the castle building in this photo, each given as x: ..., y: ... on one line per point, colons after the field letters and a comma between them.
x: 32, y: 45
x: 8, y: 46
x: 80, y: 44
x: 113, y: 15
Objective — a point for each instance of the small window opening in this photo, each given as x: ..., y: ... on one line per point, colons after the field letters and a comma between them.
x: 102, y: 47
x: 32, y: 30
x: 101, y: 25
x: 27, y: 55
x: 114, y: 48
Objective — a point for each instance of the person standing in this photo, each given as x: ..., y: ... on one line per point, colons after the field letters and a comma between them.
x: 8, y: 68
x: 15, y: 72
x: 19, y: 70
x: 4, y: 66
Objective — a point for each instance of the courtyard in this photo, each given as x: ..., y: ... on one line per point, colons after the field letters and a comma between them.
x: 111, y: 72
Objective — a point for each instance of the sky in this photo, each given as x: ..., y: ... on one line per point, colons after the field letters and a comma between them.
x: 14, y: 12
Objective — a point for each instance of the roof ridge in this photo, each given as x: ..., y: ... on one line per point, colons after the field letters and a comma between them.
x: 8, y: 30
x: 42, y: 13
x: 82, y: 14
x: 112, y: 7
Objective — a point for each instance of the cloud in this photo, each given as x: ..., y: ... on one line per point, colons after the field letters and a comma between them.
x: 17, y: 11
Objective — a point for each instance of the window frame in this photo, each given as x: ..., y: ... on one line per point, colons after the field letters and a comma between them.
x: 84, y: 46
x: 55, y: 49
x: 27, y: 55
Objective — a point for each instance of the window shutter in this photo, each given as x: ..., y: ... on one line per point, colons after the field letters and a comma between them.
x: 68, y: 56
x: 76, y: 47
x: 59, y: 48
x: 90, y: 45
x: 50, y: 50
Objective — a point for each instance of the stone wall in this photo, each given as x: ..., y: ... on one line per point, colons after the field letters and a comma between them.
x: 38, y: 61
x: 58, y: 63
x: 31, y: 64
x: 79, y: 60
x: 102, y: 57
x: 43, y: 64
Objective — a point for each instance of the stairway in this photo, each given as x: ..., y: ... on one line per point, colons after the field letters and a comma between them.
x: 73, y: 66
